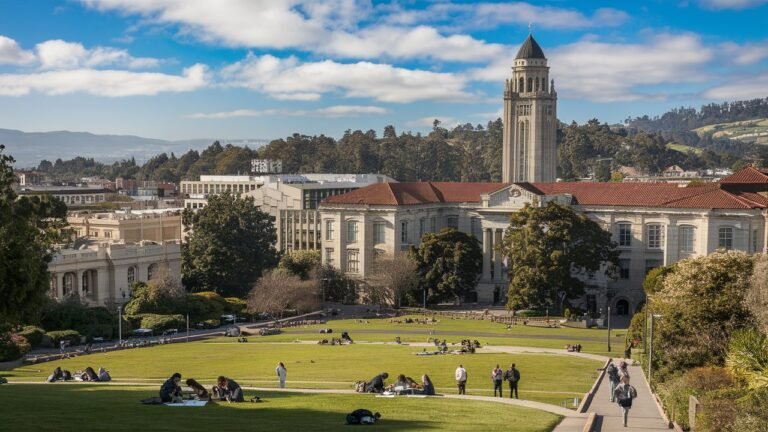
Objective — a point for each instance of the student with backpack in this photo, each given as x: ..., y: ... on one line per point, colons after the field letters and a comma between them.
x: 461, y: 379
x: 613, y: 378
x: 625, y: 393
x: 513, y: 376
x: 497, y: 376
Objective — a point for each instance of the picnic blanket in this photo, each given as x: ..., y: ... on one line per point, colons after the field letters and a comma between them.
x: 188, y: 403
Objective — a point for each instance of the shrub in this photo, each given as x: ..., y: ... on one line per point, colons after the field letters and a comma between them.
x: 636, y: 329
x: 235, y: 305
x: 34, y: 335
x: 71, y: 314
x: 699, y: 382
x: 748, y: 358
x: 12, y: 346
x: 158, y: 323
x: 529, y: 313
x: 72, y: 336
x: 567, y: 313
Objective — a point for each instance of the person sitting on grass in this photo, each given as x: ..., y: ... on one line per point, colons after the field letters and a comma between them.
x: 170, y: 391
x: 362, y: 416
x: 227, y: 389
x: 57, y: 375
x: 199, y: 392
x: 428, y: 389
x: 90, y: 374
x: 376, y: 385
x: 104, y: 375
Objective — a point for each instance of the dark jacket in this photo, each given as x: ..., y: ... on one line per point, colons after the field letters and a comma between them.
x: 512, y: 375
x: 168, y: 390
x: 429, y: 389
x: 377, y: 383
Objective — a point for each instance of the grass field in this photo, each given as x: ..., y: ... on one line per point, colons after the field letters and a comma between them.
x: 748, y: 130
x: 548, y: 378
x: 108, y: 408
x: 682, y: 148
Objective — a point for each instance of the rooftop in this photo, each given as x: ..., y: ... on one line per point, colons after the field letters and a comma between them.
x: 530, y: 50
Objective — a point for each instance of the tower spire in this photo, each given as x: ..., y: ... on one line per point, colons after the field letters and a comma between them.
x: 530, y: 28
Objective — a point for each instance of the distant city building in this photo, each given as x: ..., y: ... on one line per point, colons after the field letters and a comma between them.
x: 30, y: 178
x: 128, y: 226
x: 266, y: 166
x: 71, y: 196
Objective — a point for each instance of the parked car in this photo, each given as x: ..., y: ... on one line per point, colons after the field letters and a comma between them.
x: 143, y: 332
x: 170, y: 332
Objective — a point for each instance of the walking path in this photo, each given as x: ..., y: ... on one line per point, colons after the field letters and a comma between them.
x: 643, y: 416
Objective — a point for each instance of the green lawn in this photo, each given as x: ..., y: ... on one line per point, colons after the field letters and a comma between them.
x: 64, y: 407
x: 548, y: 378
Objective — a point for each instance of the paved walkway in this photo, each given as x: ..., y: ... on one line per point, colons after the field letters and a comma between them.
x: 644, y: 415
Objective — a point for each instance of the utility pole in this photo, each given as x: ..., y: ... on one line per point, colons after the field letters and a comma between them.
x: 609, y: 329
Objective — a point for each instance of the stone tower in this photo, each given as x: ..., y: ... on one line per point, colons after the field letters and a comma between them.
x: 530, y: 119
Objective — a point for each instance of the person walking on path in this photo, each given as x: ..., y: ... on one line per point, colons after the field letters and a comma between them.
x: 498, y: 379
x: 613, y: 378
x: 513, y: 376
x: 624, y: 394
x: 623, y: 372
x: 282, y: 372
x: 461, y: 379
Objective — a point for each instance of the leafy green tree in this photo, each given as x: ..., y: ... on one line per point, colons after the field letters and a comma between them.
x: 29, y: 226
x: 549, y: 250
x: 230, y: 245
x: 701, y: 303
x: 449, y: 263
x: 300, y: 263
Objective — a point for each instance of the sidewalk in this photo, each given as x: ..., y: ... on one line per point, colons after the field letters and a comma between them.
x: 643, y: 416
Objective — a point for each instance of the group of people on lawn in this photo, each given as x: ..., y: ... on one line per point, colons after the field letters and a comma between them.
x: 88, y: 374
x: 225, y: 388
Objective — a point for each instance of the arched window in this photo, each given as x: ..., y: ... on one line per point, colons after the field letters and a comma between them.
x: 152, y: 271
x: 131, y: 276
x: 537, y: 83
x: 85, y: 282
x: 521, y: 85
x: 530, y: 85
x: 69, y: 284
x: 543, y: 84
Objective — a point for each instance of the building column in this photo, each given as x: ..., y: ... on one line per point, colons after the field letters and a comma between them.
x: 671, y: 242
x: 487, y: 254
x: 60, y: 285
x: 78, y: 285
x: 497, y: 256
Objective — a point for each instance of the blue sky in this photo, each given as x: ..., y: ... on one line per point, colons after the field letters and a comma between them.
x: 177, y: 69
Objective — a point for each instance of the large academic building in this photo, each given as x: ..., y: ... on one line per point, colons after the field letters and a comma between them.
x: 653, y: 224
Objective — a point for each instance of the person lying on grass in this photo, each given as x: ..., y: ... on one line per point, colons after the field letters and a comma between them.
x: 227, y: 389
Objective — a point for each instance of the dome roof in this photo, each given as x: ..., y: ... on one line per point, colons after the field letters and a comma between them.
x: 530, y: 50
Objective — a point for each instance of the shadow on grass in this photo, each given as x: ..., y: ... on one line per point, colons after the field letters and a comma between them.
x: 67, y: 407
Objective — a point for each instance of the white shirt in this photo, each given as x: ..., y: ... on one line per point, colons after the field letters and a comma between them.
x: 461, y: 374
x: 281, y: 372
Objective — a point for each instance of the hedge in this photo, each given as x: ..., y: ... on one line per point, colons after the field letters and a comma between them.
x: 13, y: 346
x: 72, y: 336
x: 157, y: 322
x: 34, y: 335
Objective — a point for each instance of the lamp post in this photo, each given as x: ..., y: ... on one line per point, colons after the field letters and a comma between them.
x: 609, y: 329
x: 425, y: 299
x: 119, y: 325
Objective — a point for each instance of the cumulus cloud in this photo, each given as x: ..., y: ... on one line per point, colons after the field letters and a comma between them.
x: 331, y: 111
x: 290, y: 79
x: 329, y: 27
x: 11, y: 53
x: 744, y: 88
x: 745, y: 54
x: 110, y: 83
x: 732, y: 4
x: 59, y: 54
x: 608, y: 72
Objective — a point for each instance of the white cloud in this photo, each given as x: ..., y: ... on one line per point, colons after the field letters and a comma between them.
x: 740, y: 89
x: 59, y: 54
x: 288, y: 78
x: 746, y: 54
x: 331, y: 111
x: 607, y: 72
x: 111, y: 83
x: 732, y: 4
x: 11, y: 53
x: 329, y: 27
x: 446, y: 122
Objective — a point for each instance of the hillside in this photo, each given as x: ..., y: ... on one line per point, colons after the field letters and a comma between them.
x: 751, y: 131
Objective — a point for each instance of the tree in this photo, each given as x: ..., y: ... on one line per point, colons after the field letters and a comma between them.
x: 448, y: 263
x: 335, y: 285
x: 695, y: 333
x: 300, y: 263
x: 392, y: 278
x: 230, y: 245
x: 757, y: 295
x: 29, y: 226
x: 549, y: 250
x: 278, y: 290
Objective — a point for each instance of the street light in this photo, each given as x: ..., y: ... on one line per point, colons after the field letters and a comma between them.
x: 609, y: 329
x: 120, y: 324
x: 650, y: 348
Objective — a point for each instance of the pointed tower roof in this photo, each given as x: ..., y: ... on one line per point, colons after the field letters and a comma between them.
x: 530, y: 50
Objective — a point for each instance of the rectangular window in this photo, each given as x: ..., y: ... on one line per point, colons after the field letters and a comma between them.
x: 351, y: 231
x: 686, y: 239
x: 625, y: 234
x: 329, y: 256
x: 432, y: 224
x: 422, y: 227
x: 655, y: 238
x: 651, y: 264
x: 378, y: 233
x: 754, y: 241
x: 329, y: 230
x: 353, y: 261
x: 476, y: 228
x: 452, y: 222
x: 624, y: 268
x: 725, y: 238
x: 404, y: 232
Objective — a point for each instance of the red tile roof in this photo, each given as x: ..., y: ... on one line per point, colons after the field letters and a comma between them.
x: 416, y: 193
x: 750, y: 175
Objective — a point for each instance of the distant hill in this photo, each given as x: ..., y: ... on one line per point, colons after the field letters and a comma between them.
x: 752, y: 131
x: 29, y: 148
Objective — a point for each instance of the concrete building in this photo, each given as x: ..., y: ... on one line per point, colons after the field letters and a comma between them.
x: 103, y: 273
x: 128, y: 226
x: 71, y: 196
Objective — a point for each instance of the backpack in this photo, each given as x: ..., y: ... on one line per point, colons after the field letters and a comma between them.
x: 613, y: 372
x: 512, y: 375
x: 360, y: 386
x: 632, y: 392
